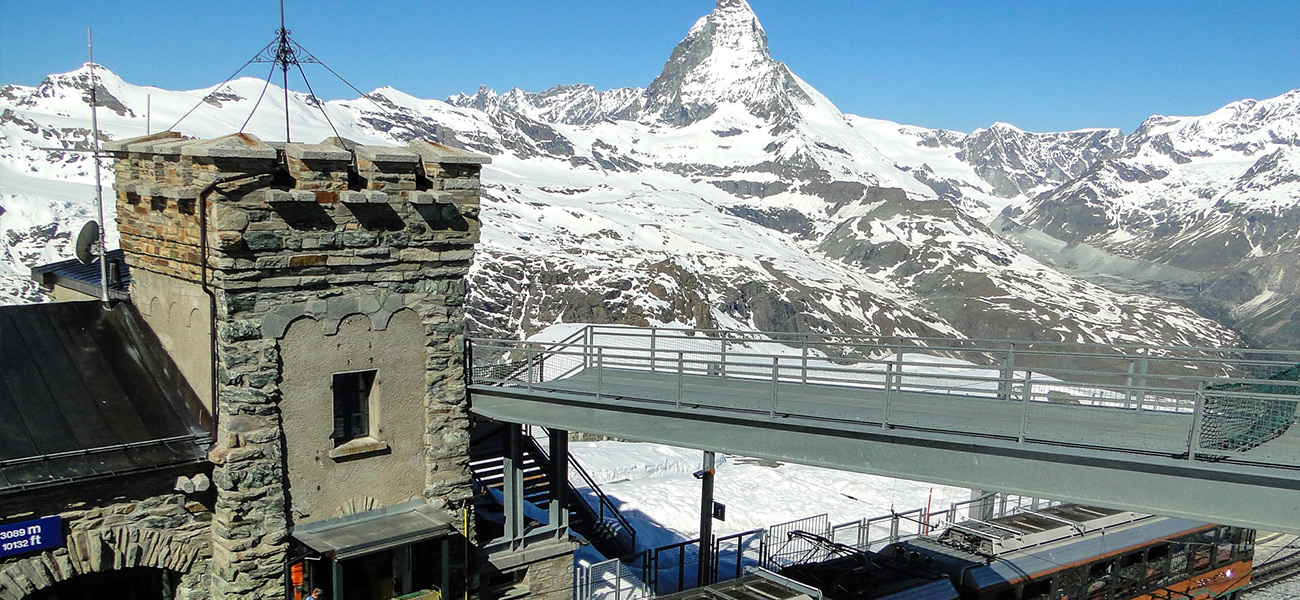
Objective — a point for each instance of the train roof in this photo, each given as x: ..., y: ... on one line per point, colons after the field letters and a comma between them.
x: 869, y: 576
x: 1037, y: 550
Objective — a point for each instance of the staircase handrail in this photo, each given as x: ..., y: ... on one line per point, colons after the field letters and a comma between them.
x: 605, y: 501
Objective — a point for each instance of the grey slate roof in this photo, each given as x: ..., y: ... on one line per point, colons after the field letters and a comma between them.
x: 76, y: 275
x: 88, y: 391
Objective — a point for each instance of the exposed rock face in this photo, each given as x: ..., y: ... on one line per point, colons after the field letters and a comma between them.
x: 1020, y: 163
x: 724, y: 59
x: 1217, y: 196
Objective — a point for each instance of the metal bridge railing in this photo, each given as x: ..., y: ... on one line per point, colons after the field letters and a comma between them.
x: 674, y: 567
x: 1207, y: 404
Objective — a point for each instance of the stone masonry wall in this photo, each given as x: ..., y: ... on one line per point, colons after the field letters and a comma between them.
x: 303, y: 231
x: 133, y: 524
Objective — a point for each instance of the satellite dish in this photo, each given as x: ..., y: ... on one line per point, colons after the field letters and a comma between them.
x: 86, y: 240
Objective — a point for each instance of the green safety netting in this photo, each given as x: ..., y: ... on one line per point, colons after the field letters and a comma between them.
x: 1252, y: 414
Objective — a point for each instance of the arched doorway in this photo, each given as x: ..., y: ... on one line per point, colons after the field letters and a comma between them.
x: 141, y: 583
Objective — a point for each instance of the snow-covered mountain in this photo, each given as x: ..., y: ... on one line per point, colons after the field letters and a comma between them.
x: 1205, y: 210
x: 728, y: 192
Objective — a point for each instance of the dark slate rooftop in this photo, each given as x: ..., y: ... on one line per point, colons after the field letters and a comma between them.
x: 87, y: 391
x: 76, y: 275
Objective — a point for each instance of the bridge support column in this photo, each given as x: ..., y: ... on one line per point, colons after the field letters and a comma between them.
x: 559, y: 500
x: 513, y: 479
x: 706, y: 519
x: 984, y: 505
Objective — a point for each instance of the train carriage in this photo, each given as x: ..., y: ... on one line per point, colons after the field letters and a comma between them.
x: 1073, y: 552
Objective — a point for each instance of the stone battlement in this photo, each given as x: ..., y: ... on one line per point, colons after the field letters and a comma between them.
x: 331, y: 204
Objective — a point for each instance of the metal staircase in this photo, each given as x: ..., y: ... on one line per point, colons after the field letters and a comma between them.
x: 602, y: 524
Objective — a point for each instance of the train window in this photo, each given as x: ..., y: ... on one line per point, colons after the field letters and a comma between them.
x: 1007, y: 594
x: 1036, y: 590
x: 1130, y: 559
x: 1157, y: 553
x: 1156, y: 567
x: 1099, y: 580
x: 1223, y: 551
x: 1202, y: 550
x: 1178, y: 562
x: 1069, y: 584
x: 1245, y: 544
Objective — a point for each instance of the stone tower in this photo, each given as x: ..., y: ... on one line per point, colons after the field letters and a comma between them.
x: 312, y: 294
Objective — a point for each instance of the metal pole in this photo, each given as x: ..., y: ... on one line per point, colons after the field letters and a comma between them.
x: 513, y: 474
x: 1024, y: 414
x: 706, y: 518
x: 99, y: 188
x: 680, y: 376
x: 889, y: 376
x: 529, y: 357
x: 804, y: 352
x: 600, y: 371
x: 653, y: 348
x: 1140, y: 393
x: 1194, y: 439
x: 775, y: 384
x: 1008, y: 373
x: 559, y: 507
x: 722, y: 367
x: 1128, y: 384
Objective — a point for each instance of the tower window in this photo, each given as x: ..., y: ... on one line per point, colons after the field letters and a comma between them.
x: 352, y: 395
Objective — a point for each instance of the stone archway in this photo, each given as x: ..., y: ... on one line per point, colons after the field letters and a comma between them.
x: 105, y: 550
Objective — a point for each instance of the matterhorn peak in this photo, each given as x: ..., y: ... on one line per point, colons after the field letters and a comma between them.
x: 723, y: 59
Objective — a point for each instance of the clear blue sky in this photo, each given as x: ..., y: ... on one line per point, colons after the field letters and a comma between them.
x: 1042, y: 65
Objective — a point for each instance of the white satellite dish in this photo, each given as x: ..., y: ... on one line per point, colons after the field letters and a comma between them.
x: 88, y: 243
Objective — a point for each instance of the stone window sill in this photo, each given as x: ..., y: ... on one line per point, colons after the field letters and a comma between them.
x: 358, y: 447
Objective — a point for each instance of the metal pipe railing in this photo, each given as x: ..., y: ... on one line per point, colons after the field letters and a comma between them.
x: 1209, y: 391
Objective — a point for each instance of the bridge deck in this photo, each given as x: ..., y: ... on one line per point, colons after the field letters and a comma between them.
x: 1046, y: 439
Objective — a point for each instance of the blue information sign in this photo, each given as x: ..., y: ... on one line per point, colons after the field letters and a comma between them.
x: 31, y: 536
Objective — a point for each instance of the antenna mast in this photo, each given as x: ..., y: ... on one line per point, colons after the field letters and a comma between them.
x: 99, y: 188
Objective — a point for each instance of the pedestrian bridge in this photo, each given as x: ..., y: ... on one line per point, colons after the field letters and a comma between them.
x: 1201, y: 433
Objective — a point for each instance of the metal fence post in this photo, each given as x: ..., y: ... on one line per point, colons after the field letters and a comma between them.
x: 653, y: 348
x: 898, y: 367
x: 530, y: 355
x: 600, y: 372
x: 1194, y: 439
x: 804, y: 351
x: 1128, y: 383
x: 776, y: 375
x: 680, y: 376
x: 1007, y: 375
x: 1024, y: 414
x: 722, y: 361
x: 1141, y: 393
x: 889, y: 376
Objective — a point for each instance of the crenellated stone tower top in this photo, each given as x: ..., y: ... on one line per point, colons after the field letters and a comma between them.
x: 313, y: 294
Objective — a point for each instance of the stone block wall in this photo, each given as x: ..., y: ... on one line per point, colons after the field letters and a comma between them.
x: 278, y: 233
x: 122, y: 525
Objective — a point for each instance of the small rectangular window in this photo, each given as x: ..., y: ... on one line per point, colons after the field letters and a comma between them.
x: 1130, y: 559
x: 1036, y: 590
x: 352, y: 393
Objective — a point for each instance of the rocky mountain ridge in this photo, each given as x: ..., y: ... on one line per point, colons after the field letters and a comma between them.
x: 692, y: 201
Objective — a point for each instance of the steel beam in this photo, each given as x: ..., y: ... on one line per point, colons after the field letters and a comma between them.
x: 1261, y: 498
